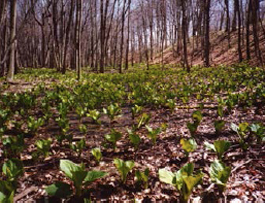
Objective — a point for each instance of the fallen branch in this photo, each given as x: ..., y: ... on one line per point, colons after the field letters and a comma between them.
x: 25, y: 193
x: 239, y: 166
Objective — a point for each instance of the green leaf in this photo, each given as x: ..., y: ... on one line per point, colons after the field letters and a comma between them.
x: 144, y: 119
x: 197, y: 116
x: 96, y: 152
x: 187, y: 169
x: 134, y: 138
x: 152, y: 133
x: 142, y: 176
x: 209, y: 146
x: 234, y: 127
x: 190, y: 183
x: 124, y: 167
x: 44, y: 146
x: 243, y: 126
x: 219, y: 124
x: 7, y: 192
x: 255, y: 127
x: 219, y: 173
x: 192, y: 127
x: 59, y: 189
x: 220, y: 111
x: 166, y: 176
x: 113, y: 137
x: 188, y: 145
x: 183, y: 179
x: 94, y: 175
x: 221, y: 146
x: 68, y: 167
x: 13, y: 168
x: 79, y: 177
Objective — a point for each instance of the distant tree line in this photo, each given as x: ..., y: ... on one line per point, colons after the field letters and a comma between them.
x: 72, y: 34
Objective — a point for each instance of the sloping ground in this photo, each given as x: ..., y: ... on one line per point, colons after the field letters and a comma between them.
x: 220, y: 52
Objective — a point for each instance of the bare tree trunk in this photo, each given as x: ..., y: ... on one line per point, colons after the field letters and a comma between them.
x: 128, y: 37
x: 240, y: 58
x: 78, y: 39
x: 122, y: 35
x: 248, y: 31
x: 103, y: 16
x: 3, y: 5
x: 227, y: 29
x: 67, y: 36
x: 234, y: 17
x: 207, y: 33
x: 13, y: 21
x: 184, y: 35
x: 255, y: 10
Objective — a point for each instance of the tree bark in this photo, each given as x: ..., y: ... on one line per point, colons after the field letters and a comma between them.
x: 13, y: 21
x: 78, y: 39
x: 240, y: 57
x: 67, y: 36
x: 184, y: 35
x: 207, y: 33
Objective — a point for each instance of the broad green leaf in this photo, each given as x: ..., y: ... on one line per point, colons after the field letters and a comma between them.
x: 219, y: 124
x: 13, y: 168
x: 197, y: 116
x: 188, y: 145
x: 7, y: 192
x: 142, y: 176
x: 166, y: 176
x: 243, y: 126
x: 255, y: 127
x: 187, y: 169
x: 192, y: 127
x: 68, y: 167
x: 59, y: 189
x: 129, y: 165
x: 190, y: 183
x: 221, y: 146
x: 79, y: 177
x: 152, y: 133
x: 209, y: 146
x: 94, y: 175
x: 143, y: 120
x: 96, y: 152
x: 220, y: 111
x: 124, y: 167
x: 113, y: 137
x: 134, y: 138
x: 219, y: 173
x: 234, y: 127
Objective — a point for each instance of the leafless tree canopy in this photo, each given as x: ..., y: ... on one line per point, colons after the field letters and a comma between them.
x: 72, y: 34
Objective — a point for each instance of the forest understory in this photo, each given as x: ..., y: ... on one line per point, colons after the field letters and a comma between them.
x: 64, y: 113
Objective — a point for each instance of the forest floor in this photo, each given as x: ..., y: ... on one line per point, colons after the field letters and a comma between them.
x: 221, y: 52
x: 246, y: 183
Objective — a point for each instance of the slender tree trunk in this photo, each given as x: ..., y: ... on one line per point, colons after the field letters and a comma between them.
x: 248, y: 31
x: 13, y: 21
x: 227, y: 29
x: 240, y: 58
x: 128, y: 37
x: 78, y: 38
x: 67, y: 36
x: 207, y: 33
x: 122, y: 35
x: 255, y: 10
x: 184, y: 35
x: 234, y: 17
